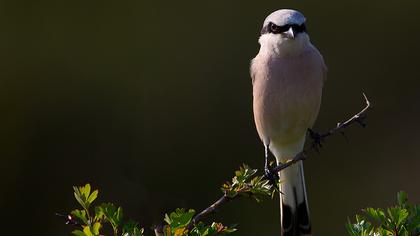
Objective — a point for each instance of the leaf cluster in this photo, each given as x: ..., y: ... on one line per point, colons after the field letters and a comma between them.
x: 177, y: 225
x: 402, y: 219
x: 246, y: 183
x: 105, y: 214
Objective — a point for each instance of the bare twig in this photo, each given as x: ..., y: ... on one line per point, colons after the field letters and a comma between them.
x: 216, y: 205
x: 69, y: 219
x: 358, y: 118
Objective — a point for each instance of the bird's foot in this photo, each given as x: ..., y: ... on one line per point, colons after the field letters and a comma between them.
x: 317, y: 139
x: 271, y: 176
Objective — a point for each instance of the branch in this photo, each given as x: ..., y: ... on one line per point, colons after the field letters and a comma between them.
x: 70, y: 220
x: 358, y: 118
x: 223, y: 200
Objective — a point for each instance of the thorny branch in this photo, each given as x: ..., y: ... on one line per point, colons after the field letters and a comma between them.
x: 356, y: 119
x: 359, y: 118
x: 216, y: 205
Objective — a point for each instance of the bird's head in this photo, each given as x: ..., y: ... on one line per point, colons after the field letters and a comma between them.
x: 284, y: 32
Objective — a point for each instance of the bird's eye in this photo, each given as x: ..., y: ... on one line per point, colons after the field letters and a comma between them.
x: 273, y: 28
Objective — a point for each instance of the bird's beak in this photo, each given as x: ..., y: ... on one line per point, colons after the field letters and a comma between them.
x: 290, y: 33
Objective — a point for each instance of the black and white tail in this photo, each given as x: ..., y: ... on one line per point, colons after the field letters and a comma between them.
x: 294, y: 210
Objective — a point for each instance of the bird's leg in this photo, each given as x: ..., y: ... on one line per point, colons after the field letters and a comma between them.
x: 268, y: 173
x: 266, y: 166
x: 317, y: 139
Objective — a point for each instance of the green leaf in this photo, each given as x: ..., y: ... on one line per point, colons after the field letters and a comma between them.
x: 413, y: 224
x: 397, y: 215
x: 131, y: 229
x: 93, y: 196
x: 83, y: 195
x: 78, y: 233
x: 87, y: 231
x: 376, y: 214
x: 80, y: 215
x: 401, y: 220
x: 245, y: 183
x: 118, y: 216
x: 214, y: 229
x: 179, y: 219
x: 99, y: 213
x: 360, y: 228
x: 110, y: 213
x: 135, y: 232
x: 85, y: 190
x: 79, y: 197
x: 96, y: 227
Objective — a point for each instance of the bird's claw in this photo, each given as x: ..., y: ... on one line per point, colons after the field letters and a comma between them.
x: 317, y: 139
x: 272, y: 177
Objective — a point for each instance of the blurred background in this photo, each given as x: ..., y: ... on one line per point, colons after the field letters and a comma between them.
x: 151, y: 103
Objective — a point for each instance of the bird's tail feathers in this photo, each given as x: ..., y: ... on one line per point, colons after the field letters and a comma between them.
x: 294, y: 210
x: 295, y: 219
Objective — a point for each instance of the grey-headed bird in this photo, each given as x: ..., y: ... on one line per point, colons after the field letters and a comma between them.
x: 287, y: 76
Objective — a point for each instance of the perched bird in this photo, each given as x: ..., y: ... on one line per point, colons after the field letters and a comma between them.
x: 287, y: 76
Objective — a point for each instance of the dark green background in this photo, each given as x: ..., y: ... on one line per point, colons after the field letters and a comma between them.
x: 150, y: 101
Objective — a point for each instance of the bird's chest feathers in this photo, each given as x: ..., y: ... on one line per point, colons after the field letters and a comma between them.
x: 287, y: 92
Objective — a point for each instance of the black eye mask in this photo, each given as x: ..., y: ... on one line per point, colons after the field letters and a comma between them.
x: 276, y: 29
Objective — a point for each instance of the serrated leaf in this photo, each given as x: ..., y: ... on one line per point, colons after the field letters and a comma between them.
x: 376, y: 214
x: 83, y: 196
x: 130, y: 229
x: 129, y: 226
x: 93, y: 196
x: 397, y: 215
x: 401, y: 220
x: 80, y: 215
x: 179, y: 219
x: 99, y: 214
x: 79, y: 197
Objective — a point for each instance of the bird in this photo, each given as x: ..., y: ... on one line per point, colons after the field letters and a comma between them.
x: 288, y: 76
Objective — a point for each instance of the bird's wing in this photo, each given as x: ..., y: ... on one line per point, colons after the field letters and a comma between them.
x: 252, y: 71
